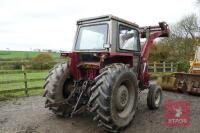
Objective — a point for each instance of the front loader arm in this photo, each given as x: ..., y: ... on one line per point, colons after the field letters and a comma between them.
x: 150, y: 33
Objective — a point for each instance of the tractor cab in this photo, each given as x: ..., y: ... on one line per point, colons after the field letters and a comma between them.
x: 107, y: 33
x: 104, y: 40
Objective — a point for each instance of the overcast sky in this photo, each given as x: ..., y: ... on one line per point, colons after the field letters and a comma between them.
x: 51, y: 24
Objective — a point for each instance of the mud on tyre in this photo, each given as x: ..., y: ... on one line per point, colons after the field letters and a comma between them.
x: 57, y: 88
x: 114, y: 97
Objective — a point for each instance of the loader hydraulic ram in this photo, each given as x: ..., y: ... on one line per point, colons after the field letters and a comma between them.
x: 105, y: 71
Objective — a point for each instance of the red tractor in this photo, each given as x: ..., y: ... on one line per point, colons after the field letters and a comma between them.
x: 105, y: 72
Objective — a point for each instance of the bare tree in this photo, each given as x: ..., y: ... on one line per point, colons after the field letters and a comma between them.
x: 184, y: 36
x: 187, y: 27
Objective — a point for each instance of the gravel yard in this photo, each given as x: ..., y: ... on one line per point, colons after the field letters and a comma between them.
x: 28, y: 115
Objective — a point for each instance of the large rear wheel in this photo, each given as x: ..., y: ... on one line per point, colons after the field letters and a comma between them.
x: 58, y: 86
x: 114, y: 97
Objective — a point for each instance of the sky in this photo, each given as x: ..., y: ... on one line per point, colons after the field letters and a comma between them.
x: 51, y: 24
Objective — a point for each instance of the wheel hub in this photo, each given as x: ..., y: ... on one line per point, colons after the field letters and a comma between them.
x: 157, y: 98
x: 122, y: 97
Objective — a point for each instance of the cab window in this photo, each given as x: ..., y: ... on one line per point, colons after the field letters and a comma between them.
x: 128, y: 38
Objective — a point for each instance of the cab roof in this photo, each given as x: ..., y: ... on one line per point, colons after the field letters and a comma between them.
x: 104, y: 18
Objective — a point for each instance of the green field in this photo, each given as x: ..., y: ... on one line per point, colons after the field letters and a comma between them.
x: 10, y: 74
x: 11, y: 55
x: 20, y: 76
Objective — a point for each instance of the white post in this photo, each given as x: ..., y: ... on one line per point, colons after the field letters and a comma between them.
x: 164, y: 68
x: 172, y: 67
x: 154, y: 67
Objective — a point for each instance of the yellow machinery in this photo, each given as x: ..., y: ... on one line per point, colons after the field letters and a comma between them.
x: 195, y: 64
x: 184, y: 82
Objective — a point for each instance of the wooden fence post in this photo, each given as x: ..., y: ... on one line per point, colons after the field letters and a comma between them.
x: 172, y: 67
x: 25, y: 81
x: 164, y: 67
x: 154, y: 67
x: 0, y: 66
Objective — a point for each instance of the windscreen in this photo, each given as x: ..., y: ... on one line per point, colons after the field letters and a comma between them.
x: 92, y: 37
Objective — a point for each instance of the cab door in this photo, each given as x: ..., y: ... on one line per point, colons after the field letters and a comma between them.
x: 129, y: 41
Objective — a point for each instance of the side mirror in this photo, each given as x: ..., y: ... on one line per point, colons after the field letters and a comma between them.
x: 106, y: 45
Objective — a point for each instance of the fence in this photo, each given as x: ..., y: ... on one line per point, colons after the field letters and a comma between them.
x: 6, y: 65
x: 20, y: 78
x: 162, y: 67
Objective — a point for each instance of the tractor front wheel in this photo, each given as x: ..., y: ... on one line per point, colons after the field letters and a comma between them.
x: 154, y: 97
x: 114, y: 97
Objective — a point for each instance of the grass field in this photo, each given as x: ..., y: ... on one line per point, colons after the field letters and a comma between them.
x: 20, y: 76
x: 13, y: 75
x: 10, y: 55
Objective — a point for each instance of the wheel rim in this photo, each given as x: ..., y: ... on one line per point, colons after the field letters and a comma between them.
x: 122, y: 97
x: 157, y: 98
x: 125, y: 99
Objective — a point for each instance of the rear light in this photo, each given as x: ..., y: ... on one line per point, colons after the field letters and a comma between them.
x: 65, y: 54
